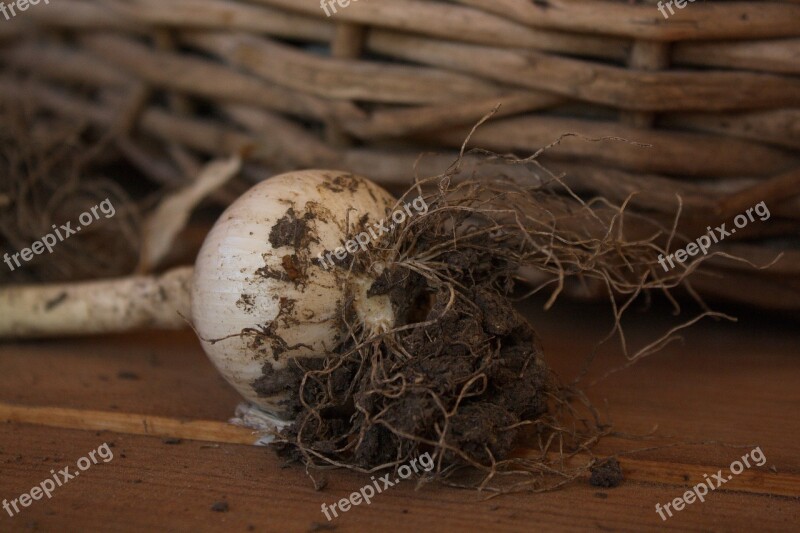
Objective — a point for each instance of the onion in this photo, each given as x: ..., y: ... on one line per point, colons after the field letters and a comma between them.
x: 259, y: 271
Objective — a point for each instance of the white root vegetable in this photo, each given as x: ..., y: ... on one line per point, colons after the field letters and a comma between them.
x: 107, y: 306
x: 259, y: 271
x: 120, y: 305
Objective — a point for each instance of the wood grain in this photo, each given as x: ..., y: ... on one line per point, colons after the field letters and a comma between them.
x: 752, y: 481
x: 703, y: 21
x: 707, y: 398
x: 153, y: 486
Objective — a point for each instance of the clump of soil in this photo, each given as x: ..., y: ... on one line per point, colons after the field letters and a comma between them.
x: 220, y: 507
x: 606, y: 474
x: 461, y: 382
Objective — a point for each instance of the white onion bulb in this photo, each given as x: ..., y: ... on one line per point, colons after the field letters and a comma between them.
x: 258, y: 270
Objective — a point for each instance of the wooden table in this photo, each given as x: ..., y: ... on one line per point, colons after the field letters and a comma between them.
x: 162, y: 407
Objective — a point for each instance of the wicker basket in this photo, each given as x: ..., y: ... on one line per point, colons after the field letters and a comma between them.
x: 714, y: 89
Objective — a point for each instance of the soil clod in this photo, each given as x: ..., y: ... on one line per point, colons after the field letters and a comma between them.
x: 606, y: 474
x: 220, y: 507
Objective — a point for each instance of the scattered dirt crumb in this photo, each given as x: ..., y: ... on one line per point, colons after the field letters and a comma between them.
x: 220, y: 507
x: 172, y: 440
x: 606, y: 474
x: 125, y: 374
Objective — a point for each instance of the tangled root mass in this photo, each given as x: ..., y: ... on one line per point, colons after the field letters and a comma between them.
x: 461, y: 374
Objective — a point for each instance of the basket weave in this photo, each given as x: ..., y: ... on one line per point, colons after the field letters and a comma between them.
x: 714, y: 90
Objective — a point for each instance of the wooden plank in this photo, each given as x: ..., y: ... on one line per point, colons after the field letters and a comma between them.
x: 151, y: 485
x: 723, y: 389
x: 726, y: 389
x: 134, y: 424
x: 152, y: 374
x: 709, y: 389
x: 753, y: 481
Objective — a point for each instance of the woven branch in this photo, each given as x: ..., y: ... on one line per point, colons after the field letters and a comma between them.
x: 715, y: 91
